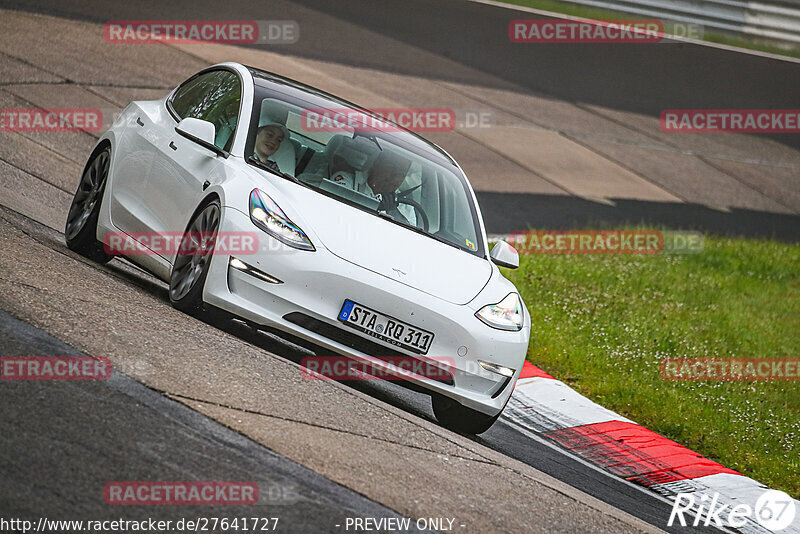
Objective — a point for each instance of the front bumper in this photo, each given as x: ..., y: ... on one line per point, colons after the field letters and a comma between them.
x: 313, y: 289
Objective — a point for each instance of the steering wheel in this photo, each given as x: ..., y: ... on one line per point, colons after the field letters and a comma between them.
x: 402, y: 198
x: 417, y: 210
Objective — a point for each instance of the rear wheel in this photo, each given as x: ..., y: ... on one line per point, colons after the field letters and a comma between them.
x: 191, y: 265
x: 456, y: 416
x: 81, y: 227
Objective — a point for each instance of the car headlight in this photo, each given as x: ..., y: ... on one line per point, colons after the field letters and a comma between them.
x: 505, y: 315
x: 268, y: 216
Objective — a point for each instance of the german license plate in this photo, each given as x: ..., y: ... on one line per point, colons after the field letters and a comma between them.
x: 386, y: 328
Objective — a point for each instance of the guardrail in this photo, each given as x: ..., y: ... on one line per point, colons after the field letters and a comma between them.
x: 777, y: 20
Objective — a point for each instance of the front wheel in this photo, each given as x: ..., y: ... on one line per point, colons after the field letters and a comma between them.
x: 80, y: 230
x: 456, y: 416
x: 189, y: 272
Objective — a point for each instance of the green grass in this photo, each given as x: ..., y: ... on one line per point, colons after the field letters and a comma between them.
x: 602, y: 323
x: 730, y: 39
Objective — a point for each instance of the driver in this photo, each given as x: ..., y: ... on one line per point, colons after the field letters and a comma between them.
x: 387, y: 174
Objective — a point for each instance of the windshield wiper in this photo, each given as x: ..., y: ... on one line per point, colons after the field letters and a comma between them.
x: 261, y: 165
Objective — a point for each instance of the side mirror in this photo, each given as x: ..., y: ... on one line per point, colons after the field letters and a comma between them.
x: 505, y: 255
x: 201, y: 132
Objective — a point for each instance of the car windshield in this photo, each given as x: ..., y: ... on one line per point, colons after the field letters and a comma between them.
x: 368, y: 163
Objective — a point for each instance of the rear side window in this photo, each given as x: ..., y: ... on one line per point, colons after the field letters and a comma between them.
x: 215, y: 97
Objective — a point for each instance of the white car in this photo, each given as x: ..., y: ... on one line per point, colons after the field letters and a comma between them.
x: 370, y: 241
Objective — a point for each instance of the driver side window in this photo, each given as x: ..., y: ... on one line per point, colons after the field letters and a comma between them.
x: 214, y: 97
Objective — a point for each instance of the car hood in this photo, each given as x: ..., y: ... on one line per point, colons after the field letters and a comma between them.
x: 391, y: 250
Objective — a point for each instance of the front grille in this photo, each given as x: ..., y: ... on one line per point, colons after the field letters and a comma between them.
x: 352, y: 340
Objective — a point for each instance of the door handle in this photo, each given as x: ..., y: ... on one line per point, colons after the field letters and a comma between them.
x: 173, y: 146
x: 139, y: 121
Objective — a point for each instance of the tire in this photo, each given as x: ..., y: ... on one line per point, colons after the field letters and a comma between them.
x: 80, y: 229
x: 458, y: 417
x: 190, y: 270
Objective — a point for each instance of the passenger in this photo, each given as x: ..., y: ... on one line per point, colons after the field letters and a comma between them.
x: 268, y: 141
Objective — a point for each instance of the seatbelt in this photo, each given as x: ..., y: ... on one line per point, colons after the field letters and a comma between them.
x: 301, y: 166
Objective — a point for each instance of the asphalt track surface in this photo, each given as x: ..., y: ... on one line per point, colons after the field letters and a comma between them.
x: 61, y: 440
x: 361, y: 436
